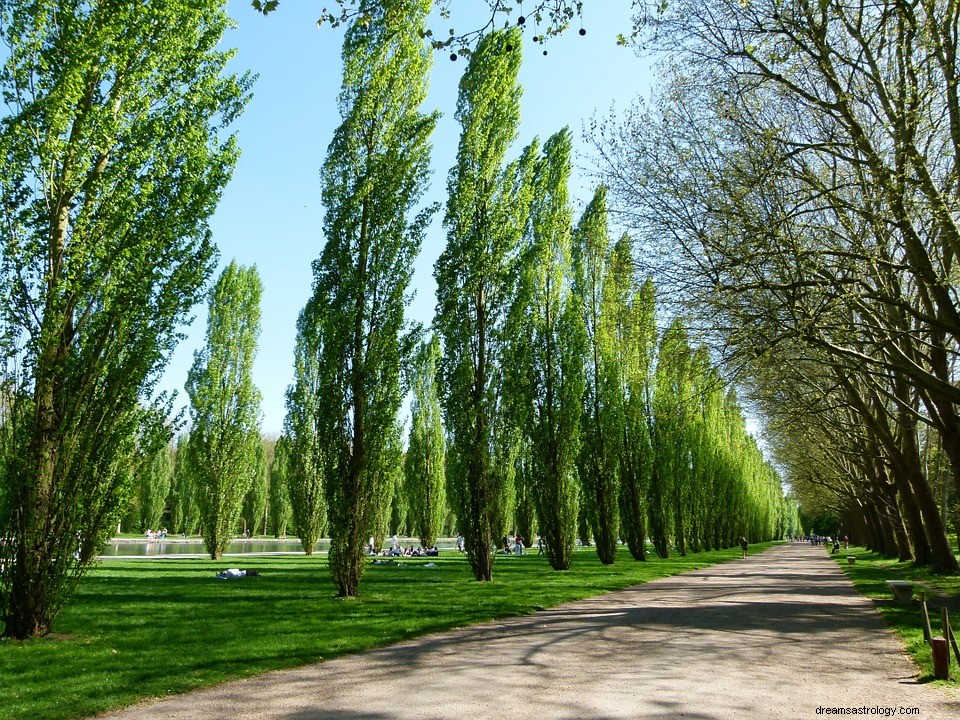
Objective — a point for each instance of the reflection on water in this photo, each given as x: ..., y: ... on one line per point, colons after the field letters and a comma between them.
x: 177, y: 546
x: 174, y: 546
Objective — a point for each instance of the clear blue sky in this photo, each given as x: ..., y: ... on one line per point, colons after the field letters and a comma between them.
x: 271, y: 211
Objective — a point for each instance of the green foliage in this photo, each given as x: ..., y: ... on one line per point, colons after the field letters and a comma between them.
x: 628, y: 325
x: 224, y: 451
x: 487, y: 210
x: 425, y: 462
x: 155, y: 481
x: 254, y: 509
x: 112, y: 158
x: 303, y: 454
x: 389, y: 512
x: 673, y: 400
x: 353, y: 328
x: 280, y: 512
x: 600, y: 425
x: 547, y: 319
x: 184, y: 511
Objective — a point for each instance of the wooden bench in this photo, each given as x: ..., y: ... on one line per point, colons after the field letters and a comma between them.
x: 902, y: 591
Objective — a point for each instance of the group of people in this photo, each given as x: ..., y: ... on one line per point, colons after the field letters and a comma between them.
x: 156, y: 535
x: 397, y: 550
x: 518, y: 545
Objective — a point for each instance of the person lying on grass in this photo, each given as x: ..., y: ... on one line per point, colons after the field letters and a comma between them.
x: 234, y: 573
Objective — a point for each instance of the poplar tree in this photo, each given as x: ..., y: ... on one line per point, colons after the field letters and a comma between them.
x: 304, y: 455
x: 672, y: 400
x: 552, y: 326
x: 254, y: 509
x: 374, y: 177
x: 629, y: 321
x: 112, y: 159
x: 390, y: 506
x: 225, y: 406
x: 602, y: 412
x: 281, y: 511
x: 486, y: 212
x: 155, y: 487
x: 426, y: 449
x: 184, y: 514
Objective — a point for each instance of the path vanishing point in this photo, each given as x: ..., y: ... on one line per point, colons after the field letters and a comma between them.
x: 781, y: 634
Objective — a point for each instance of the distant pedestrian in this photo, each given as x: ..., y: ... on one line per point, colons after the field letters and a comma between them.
x: 744, y: 545
x: 460, y: 543
x: 541, y: 546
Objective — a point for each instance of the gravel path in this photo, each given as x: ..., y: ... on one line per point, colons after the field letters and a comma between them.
x: 777, y: 635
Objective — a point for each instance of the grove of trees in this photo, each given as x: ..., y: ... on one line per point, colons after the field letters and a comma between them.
x: 549, y: 399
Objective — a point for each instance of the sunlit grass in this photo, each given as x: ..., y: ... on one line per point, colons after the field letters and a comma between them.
x: 870, y: 574
x: 153, y: 627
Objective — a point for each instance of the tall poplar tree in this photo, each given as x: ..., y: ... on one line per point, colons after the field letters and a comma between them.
x: 182, y: 501
x: 374, y: 177
x: 426, y: 449
x: 486, y: 212
x: 112, y: 158
x: 224, y: 445
x: 304, y: 465
x: 629, y: 320
x: 602, y: 400
x: 155, y: 480
x: 254, y: 508
x: 280, y: 507
x: 550, y: 322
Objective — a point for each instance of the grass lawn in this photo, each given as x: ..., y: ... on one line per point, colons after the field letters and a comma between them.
x: 153, y: 627
x: 870, y: 573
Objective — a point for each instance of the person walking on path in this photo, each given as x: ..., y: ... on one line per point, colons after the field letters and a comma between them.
x: 744, y: 545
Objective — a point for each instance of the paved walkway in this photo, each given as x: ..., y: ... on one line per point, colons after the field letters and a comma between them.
x: 777, y: 635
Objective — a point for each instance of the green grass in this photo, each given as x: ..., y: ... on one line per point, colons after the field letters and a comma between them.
x: 148, y: 628
x: 870, y: 573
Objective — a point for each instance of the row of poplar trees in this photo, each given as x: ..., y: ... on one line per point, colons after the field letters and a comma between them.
x: 796, y: 180
x: 545, y: 371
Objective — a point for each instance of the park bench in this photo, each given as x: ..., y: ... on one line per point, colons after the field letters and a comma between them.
x: 902, y: 591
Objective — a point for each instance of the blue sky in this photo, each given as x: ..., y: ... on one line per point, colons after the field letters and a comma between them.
x: 271, y: 212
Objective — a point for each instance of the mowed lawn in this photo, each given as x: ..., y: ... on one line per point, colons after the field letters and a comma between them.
x: 153, y: 627
x: 870, y: 574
